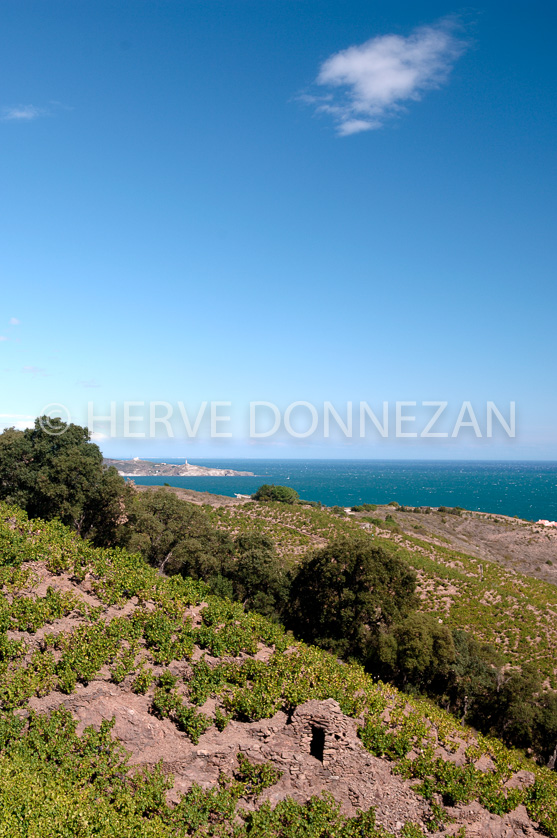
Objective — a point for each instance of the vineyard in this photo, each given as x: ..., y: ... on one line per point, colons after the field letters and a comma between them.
x: 75, y: 617
x: 515, y: 612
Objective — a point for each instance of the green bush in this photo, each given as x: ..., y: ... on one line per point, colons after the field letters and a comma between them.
x: 143, y: 680
x: 270, y: 492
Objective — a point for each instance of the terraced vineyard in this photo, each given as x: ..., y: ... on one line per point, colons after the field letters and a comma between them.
x: 295, y: 529
x: 514, y: 612
x: 218, y: 708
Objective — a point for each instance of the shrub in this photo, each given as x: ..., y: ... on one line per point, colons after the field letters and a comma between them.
x: 143, y: 680
x: 270, y: 492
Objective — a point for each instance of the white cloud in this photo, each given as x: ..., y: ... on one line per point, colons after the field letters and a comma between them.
x: 27, y: 113
x: 21, y: 113
x: 14, y: 321
x: 355, y: 126
x: 23, y: 421
x: 3, y: 337
x: 92, y: 382
x: 370, y: 82
x: 23, y: 424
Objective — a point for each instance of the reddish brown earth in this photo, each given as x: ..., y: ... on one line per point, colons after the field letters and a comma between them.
x: 341, y: 766
x: 522, y: 546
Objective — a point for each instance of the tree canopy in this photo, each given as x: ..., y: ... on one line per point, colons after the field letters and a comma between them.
x: 418, y: 650
x: 347, y: 592
x: 53, y: 470
x: 269, y: 491
x: 176, y: 536
x: 259, y: 577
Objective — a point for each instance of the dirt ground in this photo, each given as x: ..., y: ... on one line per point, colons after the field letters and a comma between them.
x: 516, y: 544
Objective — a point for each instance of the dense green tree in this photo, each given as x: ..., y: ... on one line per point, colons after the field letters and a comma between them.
x: 177, y: 536
x: 284, y: 494
x: 418, y: 651
x: 346, y: 594
x: 473, y: 679
x: 16, y: 463
x: 105, y: 519
x: 258, y: 575
x: 516, y: 710
x: 53, y: 470
x: 545, y: 733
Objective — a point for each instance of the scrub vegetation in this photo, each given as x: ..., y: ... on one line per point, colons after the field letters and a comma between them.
x: 177, y: 601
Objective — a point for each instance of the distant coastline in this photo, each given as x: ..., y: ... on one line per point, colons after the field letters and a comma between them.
x: 145, y: 468
x: 526, y: 489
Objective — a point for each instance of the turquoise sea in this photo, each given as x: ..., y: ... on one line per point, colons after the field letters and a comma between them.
x: 526, y: 489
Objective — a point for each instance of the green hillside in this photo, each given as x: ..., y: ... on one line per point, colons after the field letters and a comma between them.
x: 513, y: 611
x: 74, y: 617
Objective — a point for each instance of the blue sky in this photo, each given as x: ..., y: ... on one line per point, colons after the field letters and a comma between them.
x: 280, y: 201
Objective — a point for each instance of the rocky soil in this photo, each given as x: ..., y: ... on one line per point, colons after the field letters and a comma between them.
x: 316, y: 748
x: 522, y: 546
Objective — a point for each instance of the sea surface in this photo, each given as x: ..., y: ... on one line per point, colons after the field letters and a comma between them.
x: 525, y: 489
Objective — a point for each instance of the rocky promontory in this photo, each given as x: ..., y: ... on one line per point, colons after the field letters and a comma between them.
x: 145, y: 468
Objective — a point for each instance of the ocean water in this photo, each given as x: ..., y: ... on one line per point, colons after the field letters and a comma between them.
x: 525, y: 489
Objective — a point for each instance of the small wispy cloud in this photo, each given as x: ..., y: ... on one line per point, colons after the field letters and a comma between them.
x: 22, y: 113
x: 368, y: 83
x: 88, y: 384
x: 28, y: 113
x: 36, y: 372
x: 3, y: 337
x: 14, y: 321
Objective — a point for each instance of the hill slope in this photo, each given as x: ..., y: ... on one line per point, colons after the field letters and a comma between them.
x: 202, y: 693
x: 512, y: 610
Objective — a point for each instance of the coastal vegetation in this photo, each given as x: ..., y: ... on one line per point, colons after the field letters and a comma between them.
x: 422, y: 616
x: 185, y: 581
x: 283, y: 494
x: 53, y: 471
x: 57, y: 780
